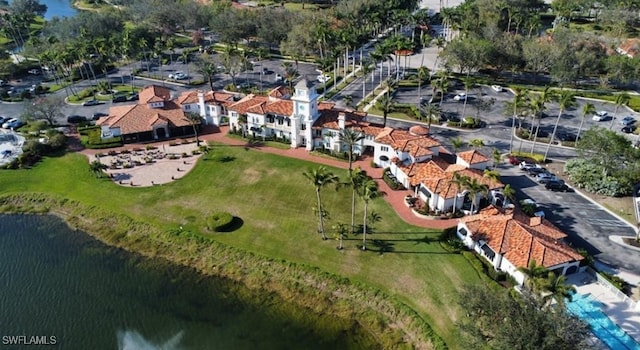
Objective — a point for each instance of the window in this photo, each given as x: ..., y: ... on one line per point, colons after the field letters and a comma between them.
x: 463, y: 231
x: 270, y: 118
x: 280, y: 120
x: 303, y: 126
x: 384, y: 149
x: 187, y: 107
x: 318, y: 133
x: 288, y: 122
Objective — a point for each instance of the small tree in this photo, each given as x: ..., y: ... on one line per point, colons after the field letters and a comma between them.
x: 385, y: 103
x: 195, y: 120
x: 45, y: 108
x: 97, y: 168
x: 320, y: 178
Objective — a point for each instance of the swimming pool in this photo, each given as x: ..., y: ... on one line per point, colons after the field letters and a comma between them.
x: 606, y: 330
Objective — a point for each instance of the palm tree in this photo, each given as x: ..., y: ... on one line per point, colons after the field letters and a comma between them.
x: 341, y: 231
x: 497, y: 156
x: 519, y: 99
x: 347, y: 100
x: 456, y: 144
x: 460, y: 181
x: 97, y: 168
x: 474, y: 188
x: 555, y: 287
x: 491, y: 174
x: 509, y: 193
x: 442, y: 84
x: 368, y: 191
x: 320, y: 178
x: 350, y: 138
x: 430, y: 110
x: 385, y: 103
x: 468, y: 84
x: 476, y: 143
x: 566, y: 99
x: 423, y: 73
x: 588, y: 108
x: 356, y: 179
x: 532, y: 273
x: 538, y: 106
x: 621, y: 100
x: 365, y: 68
x: 195, y: 120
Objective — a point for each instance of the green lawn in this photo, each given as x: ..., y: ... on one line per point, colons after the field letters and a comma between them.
x: 275, y: 202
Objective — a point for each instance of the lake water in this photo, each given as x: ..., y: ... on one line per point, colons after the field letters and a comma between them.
x: 55, y: 282
x: 58, y: 8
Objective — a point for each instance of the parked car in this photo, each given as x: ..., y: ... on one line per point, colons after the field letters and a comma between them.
x: 119, y: 98
x: 626, y: 121
x: 7, y: 123
x: 3, y: 82
x: 600, y: 116
x: 3, y: 119
x: 323, y: 78
x: 34, y: 71
x: 526, y: 165
x: 75, y: 119
x: 178, y: 76
x: 496, y: 88
x: 279, y: 77
x: 566, y: 137
x: 98, y: 115
x: 91, y: 103
x: 534, y: 172
x: 513, y: 160
x: 545, y: 177
x: 628, y: 129
x: 133, y: 97
x: 266, y: 71
x: 557, y: 185
x: 460, y: 97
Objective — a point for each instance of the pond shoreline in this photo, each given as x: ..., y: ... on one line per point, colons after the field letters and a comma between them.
x: 391, y: 323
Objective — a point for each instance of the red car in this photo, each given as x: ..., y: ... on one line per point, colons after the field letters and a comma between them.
x: 513, y: 160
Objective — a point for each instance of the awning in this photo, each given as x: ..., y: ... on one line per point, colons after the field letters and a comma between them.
x: 488, y: 252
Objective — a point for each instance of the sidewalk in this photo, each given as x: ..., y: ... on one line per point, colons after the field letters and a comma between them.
x: 394, y: 198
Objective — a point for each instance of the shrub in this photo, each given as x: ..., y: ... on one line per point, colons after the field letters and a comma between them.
x: 173, y: 143
x: 219, y: 222
x: 391, y: 180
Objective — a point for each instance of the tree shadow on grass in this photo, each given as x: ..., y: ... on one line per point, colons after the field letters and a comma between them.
x: 235, y: 224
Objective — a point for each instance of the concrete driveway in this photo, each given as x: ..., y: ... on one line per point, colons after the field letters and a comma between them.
x: 587, y: 224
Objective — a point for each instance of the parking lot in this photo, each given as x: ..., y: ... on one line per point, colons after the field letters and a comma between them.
x: 586, y: 223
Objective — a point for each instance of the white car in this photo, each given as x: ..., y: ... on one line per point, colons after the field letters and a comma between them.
x: 279, y: 77
x: 460, y: 97
x: 496, y: 88
x: 178, y: 76
x: 600, y: 116
x: 8, y: 123
x: 323, y: 78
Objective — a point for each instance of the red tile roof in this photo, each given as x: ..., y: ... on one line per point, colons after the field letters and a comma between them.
x: 353, y: 119
x: 211, y: 97
x: 472, y: 157
x: 140, y: 117
x: 280, y: 92
x: 404, y: 141
x: 520, y: 239
x: 154, y: 93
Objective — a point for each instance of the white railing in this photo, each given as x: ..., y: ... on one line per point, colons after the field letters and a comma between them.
x: 618, y: 293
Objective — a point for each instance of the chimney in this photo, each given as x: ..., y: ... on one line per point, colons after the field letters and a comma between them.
x: 341, y: 120
x: 535, y: 221
x: 201, y: 106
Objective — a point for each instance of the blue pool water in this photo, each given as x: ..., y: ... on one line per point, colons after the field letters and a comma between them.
x: 590, y: 311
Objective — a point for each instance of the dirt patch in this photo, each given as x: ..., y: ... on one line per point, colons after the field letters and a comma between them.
x: 623, y: 206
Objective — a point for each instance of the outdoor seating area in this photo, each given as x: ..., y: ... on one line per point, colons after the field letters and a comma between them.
x: 149, y: 166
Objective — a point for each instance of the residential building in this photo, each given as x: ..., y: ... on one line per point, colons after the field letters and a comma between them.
x: 211, y: 106
x: 510, y: 240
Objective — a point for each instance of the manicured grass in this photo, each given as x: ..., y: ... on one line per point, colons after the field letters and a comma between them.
x: 275, y: 202
x: 396, y: 115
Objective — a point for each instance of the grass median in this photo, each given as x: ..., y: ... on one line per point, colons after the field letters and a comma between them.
x: 275, y: 202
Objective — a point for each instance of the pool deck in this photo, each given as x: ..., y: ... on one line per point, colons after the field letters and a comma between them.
x: 619, y: 311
